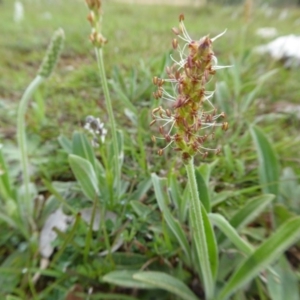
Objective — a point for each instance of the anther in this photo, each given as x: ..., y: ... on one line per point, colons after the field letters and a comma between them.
x: 175, y: 44
x: 218, y: 151
x: 168, y: 138
x: 161, y: 130
x: 225, y: 126
x: 159, y: 92
x: 175, y: 30
x: 155, y: 110
x: 152, y: 122
x: 168, y: 113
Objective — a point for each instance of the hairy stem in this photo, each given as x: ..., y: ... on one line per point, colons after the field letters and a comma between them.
x: 198, y: 230
x: 99, y: 54
x: 26, y: 205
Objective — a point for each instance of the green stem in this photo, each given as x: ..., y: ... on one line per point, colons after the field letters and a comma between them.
x: 26, y: 203
x: 99, y: 54
x: 106, y: 237
x: 198, y: 230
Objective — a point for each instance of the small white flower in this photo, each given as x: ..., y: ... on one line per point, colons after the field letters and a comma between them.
x: 96, y: 128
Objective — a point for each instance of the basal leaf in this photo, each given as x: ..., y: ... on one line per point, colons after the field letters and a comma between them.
x: 85, y: 175
x: 166, y: 282
x: 263, y: 256
x: 268, y: 163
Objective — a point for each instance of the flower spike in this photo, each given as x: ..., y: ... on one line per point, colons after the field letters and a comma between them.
x: 190, y: 119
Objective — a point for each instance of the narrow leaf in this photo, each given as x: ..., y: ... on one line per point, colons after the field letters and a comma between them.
x: 65, y: 143
x: 283, y: 284
x: 263, y: 256
x: 173, y: 224
x: 6, y: 188
x: 268, y: 162
x: 82, y: 147
x: 203, y: 190
x: 251, y: 210
x: 211, y: 243
x: 85, y: 175
x: 231, y: 233
x: 125, y: 278
x: 166, y: 282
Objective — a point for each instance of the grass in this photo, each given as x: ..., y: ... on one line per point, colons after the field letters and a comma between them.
x: 145, y: 219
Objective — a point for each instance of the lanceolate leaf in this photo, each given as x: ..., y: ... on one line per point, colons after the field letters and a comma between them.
x: 268, y: 162
x: 85, y: 175
x: 81, y: 146
x: 203, y: 191
x: 166, y: 282
x: 125, y: 278
x: 231, y: 233
x: 283, y: 283
x: 249, y: 212
x: 211, y: 243
x: 263, y: 256
x: 6, y: 189
x: 173, y: 224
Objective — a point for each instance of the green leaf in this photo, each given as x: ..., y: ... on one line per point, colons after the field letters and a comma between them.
x: 283, y: 284
x: 248, y: 213
x: 142, y: 189
x: 250, y: 97
x: 178, y: 199
x: 10, y: 297
x: 263, y: 256
x: 159, y: 185
x: 6, y: 188
x: 120, y: 138
x: 129, y: 260
x: 166, y: 282
x: 65, y: 144
x: 140, y: 209
x: 85, y: 175
x: 10, y: 274
x: 82, y: 147
x: 222, y: 95
x: 125, y: 278
x: 231, y: 233
x: 202, y: 190
x: 211, y: 242
x: 122, y: 96
x: 268, y: 163
x: 251, y: 210
x: 282, y: 213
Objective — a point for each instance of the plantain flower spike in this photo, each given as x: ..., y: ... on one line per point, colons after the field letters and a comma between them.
x: 52, y: 54
x: 94, y: 17
x: 190, y: 118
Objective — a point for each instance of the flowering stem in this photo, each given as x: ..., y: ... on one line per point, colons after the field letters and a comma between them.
x: 199, y: 231
x: 99, y: 54
x: 26, y: 205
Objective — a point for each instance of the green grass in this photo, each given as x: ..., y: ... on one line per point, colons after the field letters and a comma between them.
x: 138, y: 48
